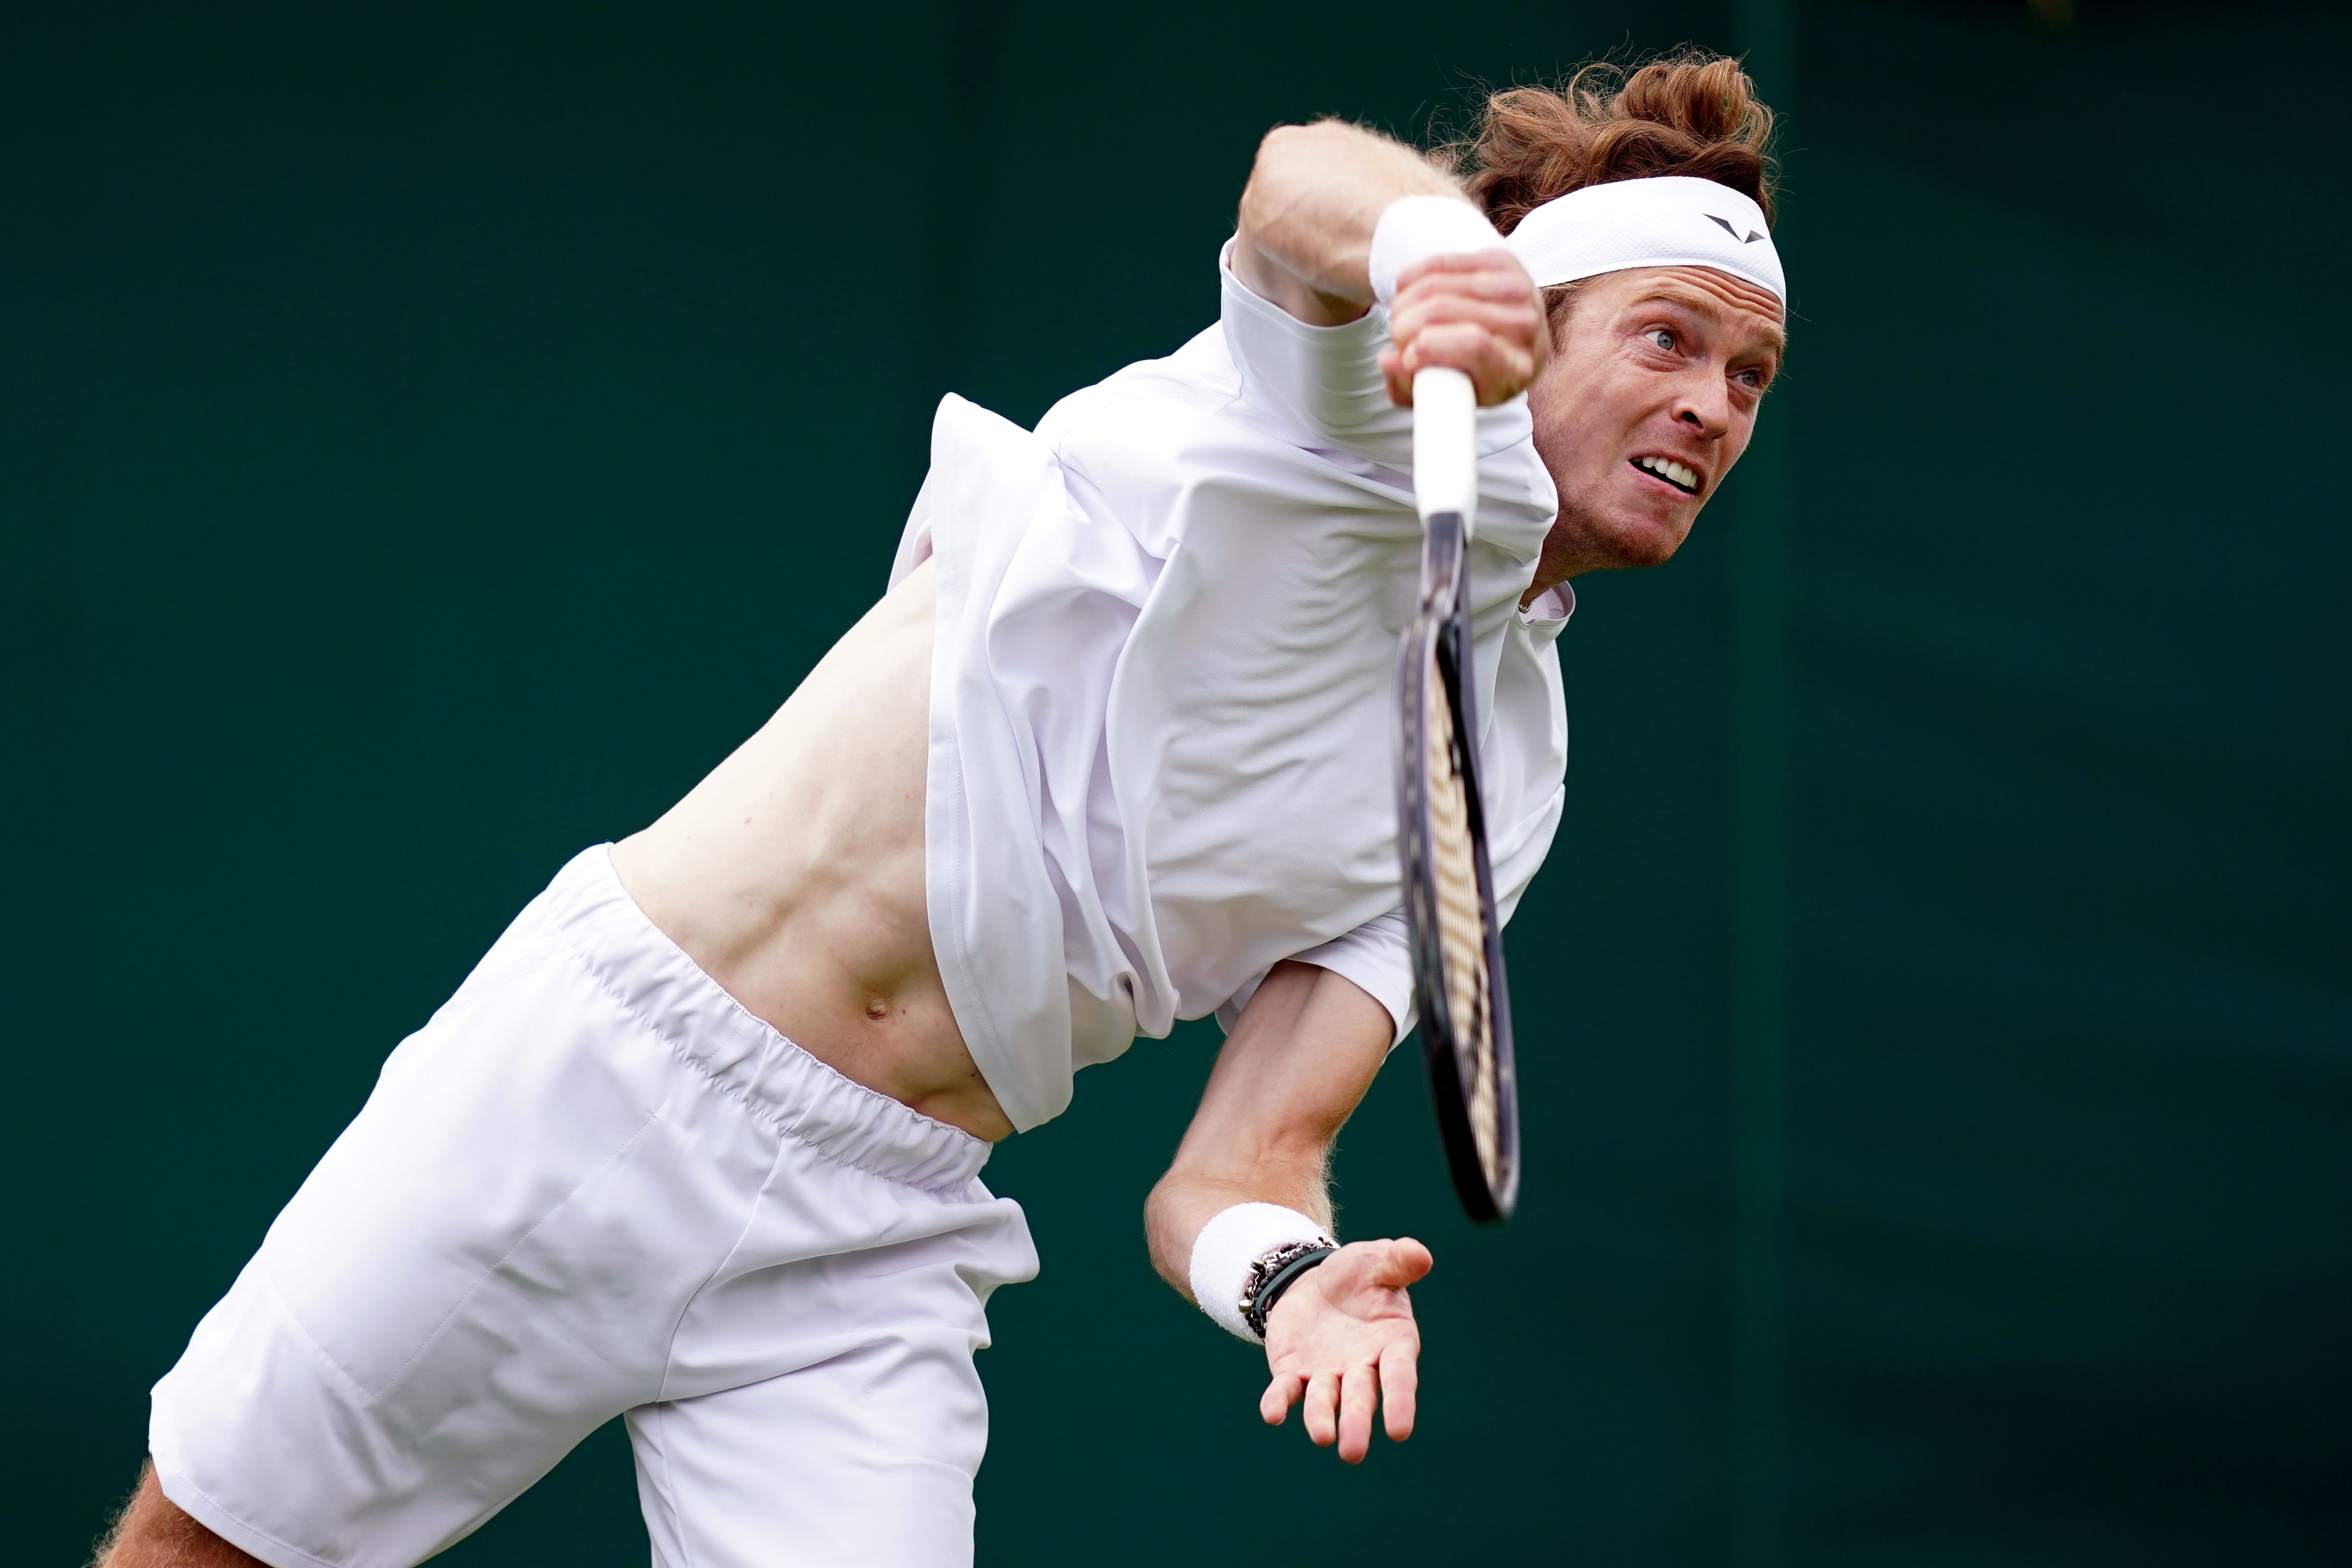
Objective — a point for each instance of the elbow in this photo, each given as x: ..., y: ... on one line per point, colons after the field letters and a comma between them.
x: 1167, y: 1235
x: 1288, y: 149
x: 1288, y: 156
x: 1161, y: 1201
x: 1286, y: 144
x: 1276, y: 152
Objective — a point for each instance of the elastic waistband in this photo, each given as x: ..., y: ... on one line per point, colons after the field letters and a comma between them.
x: 587, y: 910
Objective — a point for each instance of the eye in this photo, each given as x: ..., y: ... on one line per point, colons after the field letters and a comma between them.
x: 1662, y: 339
x: 1752, y: 379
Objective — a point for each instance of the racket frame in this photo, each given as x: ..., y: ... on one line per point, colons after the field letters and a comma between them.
x: 1437, y: 643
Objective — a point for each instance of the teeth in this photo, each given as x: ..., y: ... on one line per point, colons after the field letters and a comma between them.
x: 1682, y: 474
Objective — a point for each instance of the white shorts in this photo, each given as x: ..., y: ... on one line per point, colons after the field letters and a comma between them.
x: 591, y: 1184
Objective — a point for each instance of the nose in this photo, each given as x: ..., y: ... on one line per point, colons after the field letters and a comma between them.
x: 1703, y: 403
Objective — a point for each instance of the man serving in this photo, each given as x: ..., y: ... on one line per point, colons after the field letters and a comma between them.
x: 699, y: 1142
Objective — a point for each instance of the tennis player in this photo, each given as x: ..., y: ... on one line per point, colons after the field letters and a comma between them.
x: 699, y: 1140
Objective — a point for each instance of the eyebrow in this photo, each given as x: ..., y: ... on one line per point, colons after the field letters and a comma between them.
x: 1690, y: 299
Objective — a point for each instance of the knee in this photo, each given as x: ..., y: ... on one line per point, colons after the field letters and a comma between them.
x: 153, y: 1531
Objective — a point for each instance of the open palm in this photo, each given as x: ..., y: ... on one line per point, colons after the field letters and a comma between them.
x: 1343, y: 1342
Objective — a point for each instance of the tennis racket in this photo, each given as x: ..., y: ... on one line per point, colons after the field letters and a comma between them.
x: 1449, y: 888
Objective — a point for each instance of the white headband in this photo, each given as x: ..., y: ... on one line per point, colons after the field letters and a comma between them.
x: 1674, y: 220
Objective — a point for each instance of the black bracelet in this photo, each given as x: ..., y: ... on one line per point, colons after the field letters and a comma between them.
x: 1274, y: 1273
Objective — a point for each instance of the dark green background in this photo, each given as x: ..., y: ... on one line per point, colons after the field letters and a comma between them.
x: 430, y: 438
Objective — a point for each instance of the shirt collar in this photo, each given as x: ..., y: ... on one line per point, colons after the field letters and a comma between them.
x: 1549, y: 613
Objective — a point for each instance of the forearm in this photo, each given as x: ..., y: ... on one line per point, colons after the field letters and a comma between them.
x: 1301, y: 1056
x: 1337, y: 1324
x: 1314, y: 197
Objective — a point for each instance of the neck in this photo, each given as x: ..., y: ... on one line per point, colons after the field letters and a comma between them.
x: 1564, y: 556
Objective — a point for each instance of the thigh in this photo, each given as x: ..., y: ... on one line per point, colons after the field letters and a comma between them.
x: 865, y: 1459
x: 486, y: 1267
x: 822, y: 1406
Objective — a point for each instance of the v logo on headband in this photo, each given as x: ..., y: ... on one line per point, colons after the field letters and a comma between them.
x: 1749, y: 239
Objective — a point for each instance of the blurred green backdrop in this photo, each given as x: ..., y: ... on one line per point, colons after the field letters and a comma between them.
x: 431, y: 436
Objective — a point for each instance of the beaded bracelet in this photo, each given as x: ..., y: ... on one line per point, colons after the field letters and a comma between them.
x: 1274, y: 1273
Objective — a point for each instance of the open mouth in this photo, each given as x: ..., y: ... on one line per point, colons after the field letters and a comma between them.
x: 1682, y: 477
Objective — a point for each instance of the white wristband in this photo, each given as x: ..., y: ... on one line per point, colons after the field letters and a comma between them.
x: 1413, y: 229
x: 1230, y: 1242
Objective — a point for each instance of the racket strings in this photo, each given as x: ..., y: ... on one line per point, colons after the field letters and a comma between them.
x: 1462, y: 928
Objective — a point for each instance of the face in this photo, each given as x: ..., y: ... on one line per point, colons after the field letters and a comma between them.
x: 1650, y: 397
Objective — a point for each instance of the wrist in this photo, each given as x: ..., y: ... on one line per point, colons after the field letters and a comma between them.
x: 1240, y: 1252
x: 1273, y: 1275
x: 1413, y: 229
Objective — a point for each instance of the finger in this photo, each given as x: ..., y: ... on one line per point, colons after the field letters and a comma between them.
x: 1480, y: 270
x: 1467, y: 340
x: 1280, y: 1394
x: 1360, y: 1391
x: 1499, y: 368
x: 1393, y: 372
x: 1510, y: 294
x: 1401, y: 1386
x: 1404, y: 1262
x: 1519, y: 307
x: 1462, y: 344
x: 1501, y: 300
x: 1444, y: 342
x: 1467, y: 347
x: 1321, y: 1408
x: 1521, y: 327
x: 1461, y: 264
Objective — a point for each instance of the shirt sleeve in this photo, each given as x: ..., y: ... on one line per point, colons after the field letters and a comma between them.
x: 1376, y: 955
x: 1325, y: 379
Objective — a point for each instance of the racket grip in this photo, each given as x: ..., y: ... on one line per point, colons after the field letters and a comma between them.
x: 1444, y: 444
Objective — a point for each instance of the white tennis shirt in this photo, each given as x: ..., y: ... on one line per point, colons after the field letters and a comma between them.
x: 1163, y: 732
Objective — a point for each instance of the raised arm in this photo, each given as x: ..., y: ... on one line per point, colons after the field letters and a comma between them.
x: 1305, y: 239
x: 1314, y: 198
x: 1301, y: 1056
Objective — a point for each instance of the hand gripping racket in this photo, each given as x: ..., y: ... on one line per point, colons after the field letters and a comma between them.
x: 1449, y: 888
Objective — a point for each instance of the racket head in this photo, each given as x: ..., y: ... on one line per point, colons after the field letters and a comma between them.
x: 1463, y: 997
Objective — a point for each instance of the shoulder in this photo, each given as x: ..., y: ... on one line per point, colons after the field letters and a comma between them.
x: 1149, y: 396
x: 1258, y: 369
x: 1149, y: 441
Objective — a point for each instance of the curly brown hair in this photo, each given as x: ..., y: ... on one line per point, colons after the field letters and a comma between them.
x: 1692, y: 113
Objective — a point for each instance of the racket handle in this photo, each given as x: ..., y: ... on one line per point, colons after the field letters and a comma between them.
x: 1444, y: 444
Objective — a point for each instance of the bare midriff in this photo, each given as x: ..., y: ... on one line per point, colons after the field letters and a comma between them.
x: 794, y: 874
